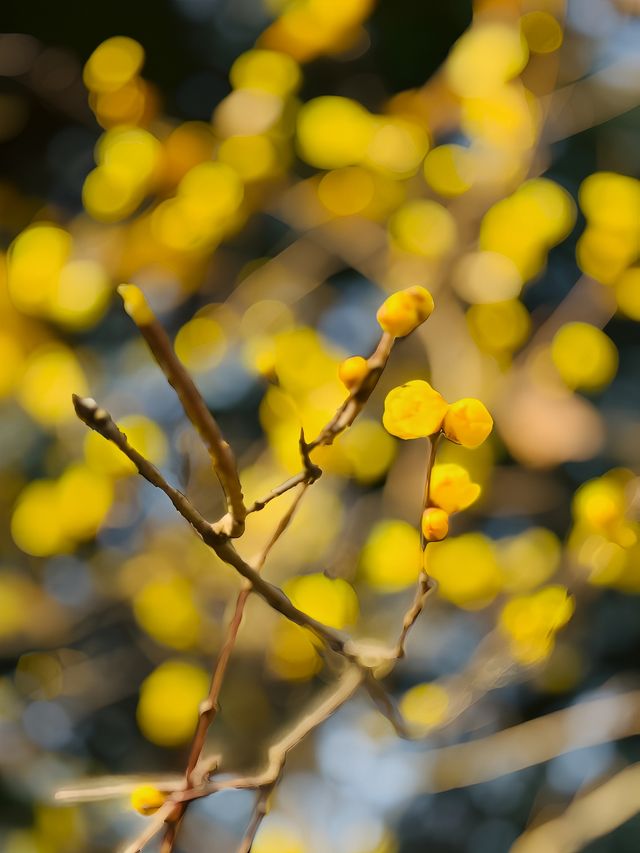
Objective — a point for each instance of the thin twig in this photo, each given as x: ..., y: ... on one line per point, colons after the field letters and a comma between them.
x: 100, y: 420
x: 343, y: 418
x: 329, y: 702
x: 591, y: 815
x: 195, y: 408
x: 210, y: 706
x: 259, y: 813
x: 425, y: 585
x: 361, y: 663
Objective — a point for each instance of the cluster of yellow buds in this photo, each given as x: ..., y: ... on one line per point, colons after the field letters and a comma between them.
x: 531, y: 622
x: 450, y: 490
x: 416, y: 410
x: 399, y: 314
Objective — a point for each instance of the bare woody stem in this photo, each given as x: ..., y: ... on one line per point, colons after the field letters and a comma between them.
x: 343, y: 418
x: 101, y: 421
x: 195, y: 408
x: 360, y: 666
x: 210, y: 707
x: 332, y: 699
x: 425, y: 585
x: 265, y: 779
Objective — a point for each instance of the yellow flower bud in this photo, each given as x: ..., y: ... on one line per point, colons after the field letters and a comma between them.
x: 435, y: 524
x: 405, y: 310
x: 414, y: 410
x: 467, y: 422
x: 422, y: 300
x: 136, y: 305
x: 352, y: 371
x: 451, y: 488
x: 146, y: 799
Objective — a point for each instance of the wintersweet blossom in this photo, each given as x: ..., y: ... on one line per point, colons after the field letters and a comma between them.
x: 352, y: 371
x: 435, y: 524
x: 414, y: 410
x: 451, y: 488
x: 467, y: 422
x: 404, y: 311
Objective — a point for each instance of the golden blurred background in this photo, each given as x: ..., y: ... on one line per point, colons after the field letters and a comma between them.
x: 267, y: 172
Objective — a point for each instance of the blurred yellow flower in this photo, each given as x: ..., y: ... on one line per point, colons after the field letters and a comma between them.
x: 52, y: 374
x: 423, y: 227
x: 267, y: 70
x: 611, y: 201
x: 278, y: 839
x: 584, y: 356
x: 414, y: 410
x: 531, y: 621
x: 425, y: 705
x: 466, y: 569
x: 600, y: 503
x: 142, y: 433
x: 628, y: 293
x: 542, y: 31
x: 113, y: 64
x: 390, y: 559
x: 169, y: 701
x: 332, y: 601
x: 484, y: 57
x: 334, y: 132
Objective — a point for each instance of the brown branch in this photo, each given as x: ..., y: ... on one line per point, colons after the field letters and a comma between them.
x: 425, y: 585
x: 210, y: 707
x: 259, y: 813
x: 343, y: 418
x: 607, y: 717
x: 424, y: 588
x: 195, y: 408
x: 101, y: 421
x: 362, y: 660
x: 329, y: 702
x: 590, y: 816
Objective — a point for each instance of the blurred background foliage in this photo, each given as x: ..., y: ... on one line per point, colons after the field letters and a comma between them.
x: 267, y: 171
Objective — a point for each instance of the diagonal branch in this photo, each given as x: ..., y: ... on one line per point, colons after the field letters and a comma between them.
x: 343, y: 418
x: 210, y: 707
x: 195, y: 408
x: 100, y: 420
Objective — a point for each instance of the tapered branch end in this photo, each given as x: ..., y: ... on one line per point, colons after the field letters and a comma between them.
x: 89, y: 412
x: 136, y: 305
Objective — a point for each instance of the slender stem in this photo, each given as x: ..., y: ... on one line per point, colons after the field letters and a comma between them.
x: 101, y: 421
x: 425, y: 585
x: 217, y: 536
x: 343, y: 418
x: 434, y: 441
x: 195, y: 408
x: 258, y: 815
x: 210, y: 707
